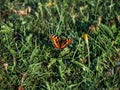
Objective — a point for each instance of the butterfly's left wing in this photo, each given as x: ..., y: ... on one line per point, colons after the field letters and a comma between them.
x: 65, y: 42
x: 56, y: 41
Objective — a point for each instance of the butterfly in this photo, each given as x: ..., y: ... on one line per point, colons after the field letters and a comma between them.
x: 59, y: 43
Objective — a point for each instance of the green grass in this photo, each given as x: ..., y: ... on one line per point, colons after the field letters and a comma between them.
x: 34, y: 63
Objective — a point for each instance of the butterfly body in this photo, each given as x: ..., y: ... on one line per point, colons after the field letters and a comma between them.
x: 59, y: 43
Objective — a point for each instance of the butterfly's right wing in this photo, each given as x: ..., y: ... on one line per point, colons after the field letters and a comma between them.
x: 56, y: 41
x: 65, y: 42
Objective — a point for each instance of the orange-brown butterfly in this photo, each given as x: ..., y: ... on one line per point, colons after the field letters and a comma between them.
x: 59, y: 43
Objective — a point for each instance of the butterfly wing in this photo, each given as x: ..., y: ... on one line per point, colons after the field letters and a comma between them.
x: 56, y: 41
x: 65, y: 42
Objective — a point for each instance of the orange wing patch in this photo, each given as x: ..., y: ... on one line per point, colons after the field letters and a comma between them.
x: 65, y: 42
x: 59, y: 43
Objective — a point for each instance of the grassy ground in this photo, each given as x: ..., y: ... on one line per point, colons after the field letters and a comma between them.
x: 29, y: 60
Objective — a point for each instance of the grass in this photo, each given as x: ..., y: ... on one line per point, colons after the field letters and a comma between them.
x: 29, y: 60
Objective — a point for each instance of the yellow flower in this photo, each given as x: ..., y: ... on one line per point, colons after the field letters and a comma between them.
x: 85, y: 36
